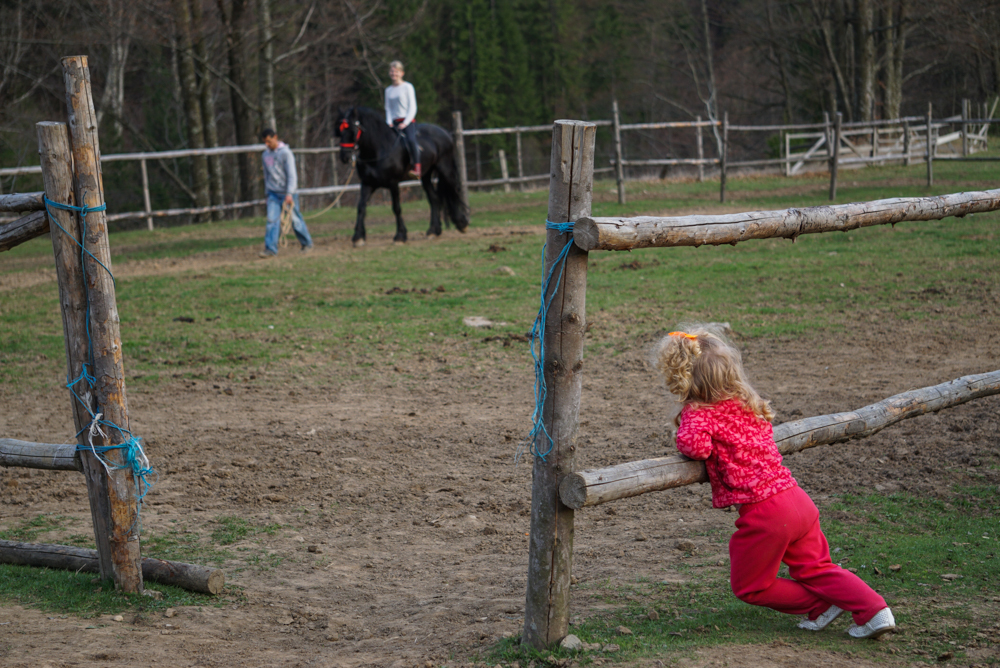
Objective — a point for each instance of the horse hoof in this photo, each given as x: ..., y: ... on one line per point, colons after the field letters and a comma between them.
x: 358, y: 243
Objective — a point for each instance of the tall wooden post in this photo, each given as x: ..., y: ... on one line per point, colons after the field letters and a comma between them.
x: 619, y: 167
x: 835, y: 155
x: 145, y: 193
x: 965, y: 127
x: 550, y: 556
x: 503, y: 170
x: 724, y: 157
x: 701, y: 150
x: 788, y: 153
x: 57, y: 175
x: 334, y: 155
x: 906, y: 143
x: 930, y: 144
x: 463, y: 174
x: 106, y: 346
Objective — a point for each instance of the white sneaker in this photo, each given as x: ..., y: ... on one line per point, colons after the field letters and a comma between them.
x: 882, y: 622
x: 822, y: 621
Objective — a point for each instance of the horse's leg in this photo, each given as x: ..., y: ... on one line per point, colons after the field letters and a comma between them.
x: 434, y: 201
x: 397, y: 209
x: 359, y: 227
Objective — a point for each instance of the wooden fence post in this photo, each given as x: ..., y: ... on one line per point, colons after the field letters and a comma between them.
x: 788, y: 153
x: 619, y: 167
x: 463, y: 174
x: 965, y: 127
x: 701, y: 150
x: 520, y: 159
x: 906, y: 142
x: 724, y: 156
x: 145, y: 193
x: 550, y: 555
x: 57, y: 175
x: 930, y: 144
x: 503, y: 170
x: 835, y: 155
x: 106, y: 346
x: 334, y: 156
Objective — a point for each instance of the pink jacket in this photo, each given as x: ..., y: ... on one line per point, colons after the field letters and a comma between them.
x: 744, y: 465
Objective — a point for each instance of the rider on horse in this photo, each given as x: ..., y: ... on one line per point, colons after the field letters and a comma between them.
x: 401, y: 109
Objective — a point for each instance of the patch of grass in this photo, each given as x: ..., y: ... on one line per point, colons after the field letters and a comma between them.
x: 926, y: 538
x: 29, y: 530
x: 232, y: 529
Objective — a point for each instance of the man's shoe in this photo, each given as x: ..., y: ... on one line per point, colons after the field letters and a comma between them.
x: 266, y: 254
x: 306, y: 249
x: 882, y: 622
x: 822, y: 621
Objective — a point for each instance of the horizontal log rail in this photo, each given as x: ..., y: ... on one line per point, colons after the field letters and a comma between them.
x: 667, y: 161
x: 22, y: 202
x: 648, y: 231
x: 594, y: 487
x: 23, y: 229
x: 65, y: 557
x: 665, y: 125
x: 50, y: 456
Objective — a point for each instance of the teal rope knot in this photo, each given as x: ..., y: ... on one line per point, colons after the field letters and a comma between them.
x: 134, y: 456
x: 537, y: 343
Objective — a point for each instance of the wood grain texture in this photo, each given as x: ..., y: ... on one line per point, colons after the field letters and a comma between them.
x: 23, y: 229
x: 18, y: 202
x: 649, y: 231
x: 106, y: 345
x: 597, y: 486
x: 49, y: 456
x: 550, y: 549
x: 82, y: 560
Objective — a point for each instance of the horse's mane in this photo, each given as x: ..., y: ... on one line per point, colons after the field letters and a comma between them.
x: 374, y: 122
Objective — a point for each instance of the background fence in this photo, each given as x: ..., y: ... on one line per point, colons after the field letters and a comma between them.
x: 517, y: 157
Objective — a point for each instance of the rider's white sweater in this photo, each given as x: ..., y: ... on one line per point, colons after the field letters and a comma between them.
x: 400, y: 102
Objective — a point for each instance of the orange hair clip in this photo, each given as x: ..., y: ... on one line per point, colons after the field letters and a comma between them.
x: 685, y: 335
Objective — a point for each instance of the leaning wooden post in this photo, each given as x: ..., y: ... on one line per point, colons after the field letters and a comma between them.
x: 701, y: 150
x: 724, y: 157
x: 503, y: 170
x: 463, y: 174
x: 930, y: 144
x: 105, y: 336
x: 145, y: 193
x: 550, y: 555
x: 965, y: 127
x: 57, y: 175
x: 619, y: 167
x: 520, y: 159
x: 835, y: 155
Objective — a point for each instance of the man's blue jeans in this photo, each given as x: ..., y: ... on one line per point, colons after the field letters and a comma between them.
x: 273, y: 231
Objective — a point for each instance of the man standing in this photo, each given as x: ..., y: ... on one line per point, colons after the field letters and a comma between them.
x: 281, y: 184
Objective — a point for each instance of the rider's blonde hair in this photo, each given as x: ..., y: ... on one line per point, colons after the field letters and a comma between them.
x: 702, y: 368
x: 398, y: 65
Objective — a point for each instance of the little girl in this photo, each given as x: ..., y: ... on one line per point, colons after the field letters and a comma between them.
x: 726, y: 423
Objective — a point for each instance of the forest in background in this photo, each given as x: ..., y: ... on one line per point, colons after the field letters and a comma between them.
x: 171, y: 74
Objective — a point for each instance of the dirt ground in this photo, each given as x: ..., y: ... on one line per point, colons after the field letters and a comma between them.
x: 418, y: 514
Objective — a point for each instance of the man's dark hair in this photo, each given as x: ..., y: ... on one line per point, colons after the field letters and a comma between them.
x: 268, y: 132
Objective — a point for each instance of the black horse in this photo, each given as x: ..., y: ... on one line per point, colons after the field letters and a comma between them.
x: 382, y: 162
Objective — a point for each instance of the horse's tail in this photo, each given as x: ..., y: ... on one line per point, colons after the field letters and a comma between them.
x: 450, y: 194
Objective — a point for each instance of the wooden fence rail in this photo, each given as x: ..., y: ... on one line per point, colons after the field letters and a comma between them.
x: 48, y: 456
x: 590, y: 488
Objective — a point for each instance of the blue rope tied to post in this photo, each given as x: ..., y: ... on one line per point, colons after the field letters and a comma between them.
x: 134, y: 456
x: 537, y: 336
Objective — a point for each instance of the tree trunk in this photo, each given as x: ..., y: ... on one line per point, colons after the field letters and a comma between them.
x: 113, y: 96
x: 831, y: 56
x: 267, y: 118
x: 865, y: 42
x: 192, y: 103
x: 895, y: 48
x: 207, y: 106
x: 242, y: 113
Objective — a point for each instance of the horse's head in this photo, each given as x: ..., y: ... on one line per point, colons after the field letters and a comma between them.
x: 348, y: 131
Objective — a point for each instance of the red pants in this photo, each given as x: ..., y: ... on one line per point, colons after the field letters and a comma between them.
x: 785, y: 528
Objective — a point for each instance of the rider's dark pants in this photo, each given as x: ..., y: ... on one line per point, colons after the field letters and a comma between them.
x: 410, y: 140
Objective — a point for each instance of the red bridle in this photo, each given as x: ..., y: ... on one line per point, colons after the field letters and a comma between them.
x: 343, y: 126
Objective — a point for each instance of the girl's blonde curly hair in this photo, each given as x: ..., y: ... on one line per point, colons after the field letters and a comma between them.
x: 701, y: 368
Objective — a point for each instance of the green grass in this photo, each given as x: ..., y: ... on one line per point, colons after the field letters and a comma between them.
x: 232, y: 529
x: 928, y: 538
